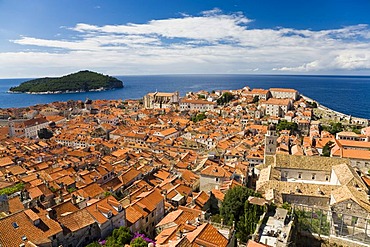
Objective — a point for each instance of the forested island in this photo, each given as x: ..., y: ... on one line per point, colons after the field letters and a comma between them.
x: 82, y: 81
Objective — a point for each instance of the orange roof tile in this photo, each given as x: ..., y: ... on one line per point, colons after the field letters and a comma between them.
x: 77, y: 220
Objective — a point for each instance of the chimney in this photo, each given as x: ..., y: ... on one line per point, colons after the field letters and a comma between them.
x: 51, y: 213
x: 74, y: 199
x: 179, y: 234
x: 297, y: 189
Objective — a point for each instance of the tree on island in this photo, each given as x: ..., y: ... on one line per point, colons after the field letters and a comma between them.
x: 80, y: 81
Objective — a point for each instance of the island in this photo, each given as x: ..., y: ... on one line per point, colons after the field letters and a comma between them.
x: 82, y: 81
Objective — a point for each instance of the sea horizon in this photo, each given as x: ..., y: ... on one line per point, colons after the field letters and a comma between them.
x: 342, y: 93
x: 195, y: 74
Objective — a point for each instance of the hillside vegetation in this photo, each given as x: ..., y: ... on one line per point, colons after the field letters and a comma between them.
x: 80, y: 81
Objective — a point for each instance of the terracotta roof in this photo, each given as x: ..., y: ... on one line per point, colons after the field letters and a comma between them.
x: 196, y: 101
x: 171, y: 217
x: 161, y: 174
x: 216, y: 171
x: 6, y: 161
x: 15, y: 205
x: 274, y: 101
x: 35, y: 192
x: 17, y: 226
x: 169, y: 131
x: 316, y: 163
x: 259, y: 91
x: 165, y: 235
x: 93, y: 190
x: 77, y: 220
x: 64, y: 208
x: 100, y: 209
x: 252, y: 243
x: 133, y: 215
x: 218, y: 194
x: 353, y: 154
x: 358, y: 144
x: 207, y: 235
x: 290, y: 90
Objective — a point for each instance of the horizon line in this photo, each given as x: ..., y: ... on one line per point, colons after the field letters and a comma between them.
x: 200, y: 74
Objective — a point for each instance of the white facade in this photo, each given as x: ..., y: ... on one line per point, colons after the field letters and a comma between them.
x: 199, y: 105
x: 284, y: 93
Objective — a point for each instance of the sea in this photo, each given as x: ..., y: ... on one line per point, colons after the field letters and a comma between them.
x: 346, y: 94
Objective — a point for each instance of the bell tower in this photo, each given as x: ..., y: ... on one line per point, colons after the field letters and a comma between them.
x: 270, y: 141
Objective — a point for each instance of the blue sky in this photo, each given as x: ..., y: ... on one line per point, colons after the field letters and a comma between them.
x: 52, y: 38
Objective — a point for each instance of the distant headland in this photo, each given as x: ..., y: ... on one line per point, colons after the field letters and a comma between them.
x: 82, y: 81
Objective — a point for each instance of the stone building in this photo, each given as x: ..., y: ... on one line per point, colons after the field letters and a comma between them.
x: 323, y: 182
x: 284, y: 93
x: 270, y: 141
x: 160, y: 100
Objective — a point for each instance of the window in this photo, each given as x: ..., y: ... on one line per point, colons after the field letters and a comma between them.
x: 313, y: 176
x: 15, y: 225
x: 286, y: 174
x: 216, y: 179
x: 326, y: 178
x: 354, y: 220
x: 299, y: 175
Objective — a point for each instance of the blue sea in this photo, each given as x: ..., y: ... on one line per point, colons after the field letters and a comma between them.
x: 346, y: 94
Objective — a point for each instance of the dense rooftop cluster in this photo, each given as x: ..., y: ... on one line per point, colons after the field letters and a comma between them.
x: 156, y: 167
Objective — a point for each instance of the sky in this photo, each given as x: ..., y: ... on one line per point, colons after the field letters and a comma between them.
x: 41, y: 38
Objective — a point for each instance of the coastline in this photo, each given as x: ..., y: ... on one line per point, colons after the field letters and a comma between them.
x: 63, y: 92
x: 350, y: 92
x: 331, y: 111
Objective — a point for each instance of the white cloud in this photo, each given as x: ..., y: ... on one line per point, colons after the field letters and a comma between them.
x: 213, y: 42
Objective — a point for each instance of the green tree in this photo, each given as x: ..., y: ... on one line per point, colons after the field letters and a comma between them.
x: 333, y: 128
x: 139, y: 242
x: 13, y: 189
x: 199, y: 117
x: 235, y: 207
x: 326, y: 150
x: 93, y: 244
x: 256, y: 98
x: 44, y: 133
x: 232, y: 207
x: 285, y: 125
x: 247, y: 224
x: 312, y: 104
x: 82, y: 80
x: 120, y: 237
x: 225, y: 98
